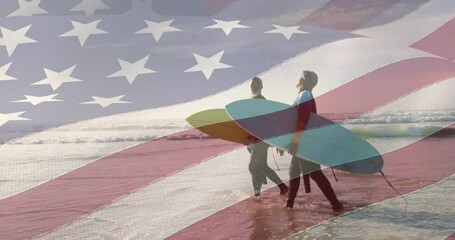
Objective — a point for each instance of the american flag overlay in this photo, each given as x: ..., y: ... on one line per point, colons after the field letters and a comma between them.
x: 94, y: 95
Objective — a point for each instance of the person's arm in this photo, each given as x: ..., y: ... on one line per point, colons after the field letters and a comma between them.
x: 303, y: 115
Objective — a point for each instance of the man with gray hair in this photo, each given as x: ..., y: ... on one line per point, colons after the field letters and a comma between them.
x: 306, y: 105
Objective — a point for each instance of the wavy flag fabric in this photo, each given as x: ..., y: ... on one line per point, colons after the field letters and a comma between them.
x: 94, y: 95
x: 80, y: 67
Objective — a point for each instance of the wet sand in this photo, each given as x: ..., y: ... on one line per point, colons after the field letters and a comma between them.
x: 408, y: 169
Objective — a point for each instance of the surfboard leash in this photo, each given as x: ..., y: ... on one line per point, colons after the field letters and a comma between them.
x: 335, y: 176
x: 406, y: 208
x: 273, y: 155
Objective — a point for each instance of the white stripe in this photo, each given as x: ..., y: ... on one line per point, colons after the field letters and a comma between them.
x: 180, y: 200
x: 414, y: 26
x: 432, y: 97
x: 167, y: 206
x: 430, y: 215
x: 287, y: 12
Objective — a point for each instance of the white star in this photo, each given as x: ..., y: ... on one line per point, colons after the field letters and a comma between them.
x: 131, y: 70
x: 105, y: 102
x: 35, y: 100
x: 11, y: 39
x: 287, y: 31
x: 208, y: 65
x: 83, y: 31
x: 3, y: 70
x: 28, y: 8
x: 157, y: 29
x: 56, y: 79
x: 227, y: 26
x: 6, y: 117
x: 90, y: 6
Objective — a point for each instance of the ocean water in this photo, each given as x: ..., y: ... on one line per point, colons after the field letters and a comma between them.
x: 401, y: 124
x: 72, y: 146
x: 44, y: 156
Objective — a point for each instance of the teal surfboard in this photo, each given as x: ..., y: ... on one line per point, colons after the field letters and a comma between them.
x: 323, y: 141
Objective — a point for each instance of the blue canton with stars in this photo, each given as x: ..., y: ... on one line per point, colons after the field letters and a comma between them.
x: 59, y: 66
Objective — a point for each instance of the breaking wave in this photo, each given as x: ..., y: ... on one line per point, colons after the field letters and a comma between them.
x: 69, y: 140
x: 403, y: 117
x: 384, y: 125
x: 395, y: 131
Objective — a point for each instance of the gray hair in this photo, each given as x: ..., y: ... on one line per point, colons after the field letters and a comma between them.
x: 310, y: 77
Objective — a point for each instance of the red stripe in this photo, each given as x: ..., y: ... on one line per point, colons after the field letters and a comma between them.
x: 214, y: 6
x: 451, y: 237
x: 410, y: 168
x: 95, y: 185
x: 347, y: 15
x: 385, y: 84
x: 82, y: 191
x: 440, y: 42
